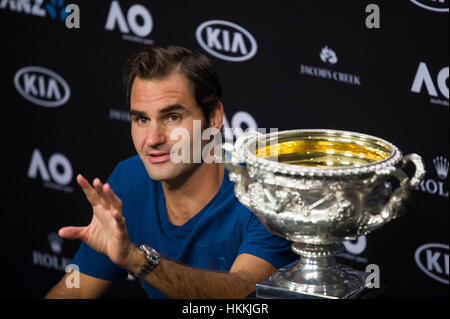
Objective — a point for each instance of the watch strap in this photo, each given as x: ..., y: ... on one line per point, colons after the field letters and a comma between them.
x: 152, y: 260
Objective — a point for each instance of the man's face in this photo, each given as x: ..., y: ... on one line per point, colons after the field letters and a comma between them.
x: 156, y: 108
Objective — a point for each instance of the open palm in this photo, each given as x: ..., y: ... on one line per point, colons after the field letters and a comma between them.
x: 107, y: 232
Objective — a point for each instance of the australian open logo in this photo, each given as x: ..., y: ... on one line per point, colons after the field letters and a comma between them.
x: 42, y: 86
x: 433, y: 260
x: 135, y: 23
x: 437, y: 186
x: 226, y: 40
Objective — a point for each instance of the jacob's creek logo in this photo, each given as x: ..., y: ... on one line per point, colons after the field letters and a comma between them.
x: 135, y: 23
x: 432, y: 84
x: 42, y: 86
x: 437, y: 185
x: 329, y: 56
x: 226, y: 40
x: 51, y: 260
x: 432, y: 259
x: 56, y: 174
x: 432, y: 5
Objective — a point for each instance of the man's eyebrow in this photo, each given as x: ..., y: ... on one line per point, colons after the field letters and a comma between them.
x: 171, y: 108
x: 137, y: 113
x: 167, y: 109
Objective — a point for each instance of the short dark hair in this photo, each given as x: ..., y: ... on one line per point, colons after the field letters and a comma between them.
x: 157, y: 62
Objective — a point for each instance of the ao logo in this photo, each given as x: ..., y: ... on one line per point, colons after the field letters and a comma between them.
x: 423, y: 77
x: 115, y: 16
x: 433, y: 260
x: 432, y: 5
x: 38, y: 165
x: 357, y: 247
x: 226, y: 40
x: 238, y: 121
x: 42, y: 86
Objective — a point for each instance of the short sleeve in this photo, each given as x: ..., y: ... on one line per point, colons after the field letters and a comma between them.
x: 96, y: 265
x: 258, y: 241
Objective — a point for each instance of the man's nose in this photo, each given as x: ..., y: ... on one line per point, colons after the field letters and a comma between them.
x: 155, y: 135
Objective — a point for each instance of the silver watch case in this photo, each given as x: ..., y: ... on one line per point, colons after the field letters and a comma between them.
x: 152, y: 257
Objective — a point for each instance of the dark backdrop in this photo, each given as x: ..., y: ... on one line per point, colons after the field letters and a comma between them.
x: 391, y: 82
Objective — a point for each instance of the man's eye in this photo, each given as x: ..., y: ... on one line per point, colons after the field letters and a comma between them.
x: 142, y: 120
x: 174, y: 117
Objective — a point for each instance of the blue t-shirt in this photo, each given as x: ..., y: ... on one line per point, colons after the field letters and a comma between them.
x: 212, y: 239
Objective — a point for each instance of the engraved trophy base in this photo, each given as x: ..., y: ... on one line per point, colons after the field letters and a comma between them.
x: 315, y: 276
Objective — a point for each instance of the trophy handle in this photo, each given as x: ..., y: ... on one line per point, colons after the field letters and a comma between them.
x: 399, y: 195
x: 237, y: 173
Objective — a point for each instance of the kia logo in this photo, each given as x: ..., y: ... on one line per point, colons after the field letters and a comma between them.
x: 433, y: 5
x: 432, y: 259
x: 42, y: 86
x: 226, y: 40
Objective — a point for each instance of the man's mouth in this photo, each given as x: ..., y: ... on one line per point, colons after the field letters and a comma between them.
x: 158, y: 157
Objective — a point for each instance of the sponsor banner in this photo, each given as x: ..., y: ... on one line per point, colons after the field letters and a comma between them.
x: 135, y: 23
x: 226, y: 40
x: 329, y: 57
x: 435, y: 181
x: 55, y: 9
x: 354, y: 249
x: 51, y: 260
x: 42, y: 86
x: 432, y: 259
x: 432, y: 5
x: 56, y: 173
x: 436, y: 86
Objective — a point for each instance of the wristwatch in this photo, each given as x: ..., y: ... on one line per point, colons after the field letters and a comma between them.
x: 152, y: 257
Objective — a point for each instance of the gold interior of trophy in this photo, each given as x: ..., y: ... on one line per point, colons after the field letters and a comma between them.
x: 331, y: 150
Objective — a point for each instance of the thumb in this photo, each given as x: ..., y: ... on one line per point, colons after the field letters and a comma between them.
x: 71, y: 232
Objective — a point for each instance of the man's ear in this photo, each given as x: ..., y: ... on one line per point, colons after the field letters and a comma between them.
x: 216, y: 116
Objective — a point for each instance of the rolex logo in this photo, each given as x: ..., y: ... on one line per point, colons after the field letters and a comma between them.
x: 55, y: 242
x: 441, y: 165
x: 52, y: 260
x: 436, y: 186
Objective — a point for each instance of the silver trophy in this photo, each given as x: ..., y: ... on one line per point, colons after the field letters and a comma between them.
x: 319, y: 188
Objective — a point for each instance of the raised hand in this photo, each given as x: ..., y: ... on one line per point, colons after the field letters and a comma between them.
x: 107, y: 232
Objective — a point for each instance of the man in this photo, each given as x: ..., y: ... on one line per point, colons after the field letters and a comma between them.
x: 175, y: 225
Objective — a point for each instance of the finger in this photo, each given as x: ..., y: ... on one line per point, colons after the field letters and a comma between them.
x: 111, y: 197
x: 88, y: 190
x: 98, y: 186
x: 119, y: 219
x: 118, y: 216
x: 72, y: 232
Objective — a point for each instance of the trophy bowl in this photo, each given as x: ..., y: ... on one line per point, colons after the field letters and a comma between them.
x: 318, y: 188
